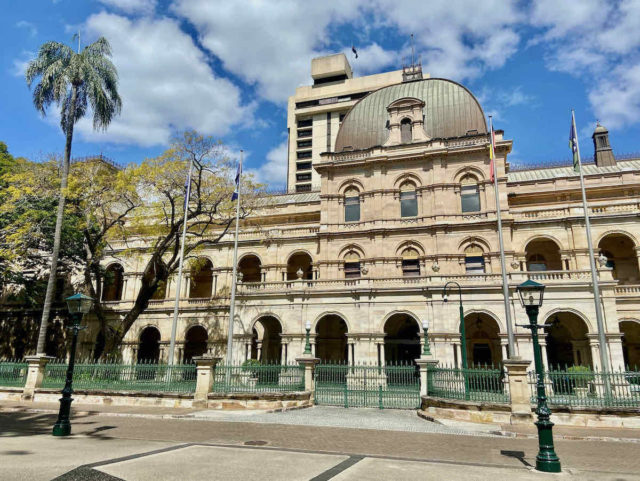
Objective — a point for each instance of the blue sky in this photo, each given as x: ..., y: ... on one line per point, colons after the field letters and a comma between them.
x: 227, y: 67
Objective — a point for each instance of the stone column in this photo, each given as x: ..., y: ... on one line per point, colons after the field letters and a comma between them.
x: 382, y: 358
x: 594, y: 344
x: 425, y: 363
x: 205, y: 368
x: 350, y: 353
x: 519, y: 390
x: 35, y: 375
x: 259, y: 350
x: 309, y: 363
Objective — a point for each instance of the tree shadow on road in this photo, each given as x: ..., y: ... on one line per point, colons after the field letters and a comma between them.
x: 24, y: 423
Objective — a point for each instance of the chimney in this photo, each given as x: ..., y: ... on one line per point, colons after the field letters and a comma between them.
x: 602, y: 153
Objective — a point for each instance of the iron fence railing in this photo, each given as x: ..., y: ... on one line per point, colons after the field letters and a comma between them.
x: 391, y: 386
x: 178, y: 378
x: 584, y: 387
x: 13, y: 373
x: 257, y: 377
x: 486, y: 384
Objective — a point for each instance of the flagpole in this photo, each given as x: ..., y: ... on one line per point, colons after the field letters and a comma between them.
x: 176, y: 305
x: 592, y: 261
x: 235, y: 271
x: 503, y: 264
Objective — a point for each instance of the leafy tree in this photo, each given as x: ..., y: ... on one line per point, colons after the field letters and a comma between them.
x: 154, y: 228
x: 73, y: 80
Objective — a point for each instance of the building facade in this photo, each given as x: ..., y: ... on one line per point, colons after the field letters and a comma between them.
x: 405, y: 204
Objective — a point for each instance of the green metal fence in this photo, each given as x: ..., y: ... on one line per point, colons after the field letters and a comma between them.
x: 580, y: 386
x: 13, y: 373
x: 256, y: 377
x: 474, y: 384
x: 390, y: 386
x: 179, y: 378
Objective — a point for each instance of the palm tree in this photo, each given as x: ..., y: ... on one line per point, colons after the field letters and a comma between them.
x: 72, y: 80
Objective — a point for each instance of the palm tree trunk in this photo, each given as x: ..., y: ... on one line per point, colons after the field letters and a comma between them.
x: 51, y: 285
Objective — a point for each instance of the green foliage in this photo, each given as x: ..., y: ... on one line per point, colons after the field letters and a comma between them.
x: 581, y: 376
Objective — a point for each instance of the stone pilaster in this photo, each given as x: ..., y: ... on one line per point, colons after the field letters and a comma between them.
x: 519, y: 390
x: 309, y: 363
x: 35, y: 375
x: 205, y: 367
x: 425, y: 363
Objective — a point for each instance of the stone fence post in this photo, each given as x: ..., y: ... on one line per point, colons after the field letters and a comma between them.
x: 309, y: 363
x: 519, y: 390
x: 425, y: 363
x: 205, y: 372
x: 35, y: 375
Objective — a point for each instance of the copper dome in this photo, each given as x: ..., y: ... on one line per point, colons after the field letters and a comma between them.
x: 450, y: 111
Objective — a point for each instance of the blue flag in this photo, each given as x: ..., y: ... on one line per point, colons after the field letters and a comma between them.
x: 573, y: 144
x: 234, y: 196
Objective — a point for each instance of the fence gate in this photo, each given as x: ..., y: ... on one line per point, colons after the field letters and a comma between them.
x: 391, y: 386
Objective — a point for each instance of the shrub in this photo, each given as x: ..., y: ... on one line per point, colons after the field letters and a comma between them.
x: 581, y: 376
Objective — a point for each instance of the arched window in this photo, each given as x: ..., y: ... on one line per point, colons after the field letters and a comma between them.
x: 410, y: 263
x: 405, y: 131
x: 408, y: 200
x: 201, y: 279
x: 351, y: 265
x: 113, y: 283
x: 473, y: 259
x: 469, y: 194
x: 352, y: 205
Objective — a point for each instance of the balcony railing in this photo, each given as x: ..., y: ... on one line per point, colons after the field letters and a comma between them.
x: 562, y: 212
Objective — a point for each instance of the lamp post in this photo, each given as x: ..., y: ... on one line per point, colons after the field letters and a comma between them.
x: 307, y: 346
x: 78, y: 306
x: 426, y: 350
x: 531, y: 294
x: 463, y: 336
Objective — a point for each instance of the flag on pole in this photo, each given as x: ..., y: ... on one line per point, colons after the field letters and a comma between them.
x: 573, y: 144
x: 492, y: 154
x: 234, y: 196
x: 355, y: 52
x: 186, y: 194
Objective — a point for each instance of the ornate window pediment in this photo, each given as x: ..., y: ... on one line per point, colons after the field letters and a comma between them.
x: 406, y: 121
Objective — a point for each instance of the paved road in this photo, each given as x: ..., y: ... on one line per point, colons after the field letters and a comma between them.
x: 229, y: 450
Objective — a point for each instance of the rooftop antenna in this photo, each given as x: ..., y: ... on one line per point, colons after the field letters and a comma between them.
x: 412, y: 50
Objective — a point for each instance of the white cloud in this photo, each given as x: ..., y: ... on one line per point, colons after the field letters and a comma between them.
x: 165, y: 83
x: 274, y: 171
x: 597, y: 41
x: 19, y: 65
x: 371, y: 59
x: 30, y: 27
x: 131, y: 6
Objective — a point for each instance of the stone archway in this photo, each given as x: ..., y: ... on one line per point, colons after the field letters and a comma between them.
x: 331, y: 339
x: 482, y: 334
x: 631, y: 344
x: 195, y: 343
x: 149, y: 345
x: 543, y: 255
x: 113, y: 283
x: 201, y: 279
x: 567, y: 341
x: 266, y: 342
x: 300, y: 262
x: 401, y: 339
x: 619, y: 250
x: 251, y: 268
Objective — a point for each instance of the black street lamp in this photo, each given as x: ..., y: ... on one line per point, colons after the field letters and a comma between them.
x: 463, y: 336
x: 78, y: 306
x: 531, y: 294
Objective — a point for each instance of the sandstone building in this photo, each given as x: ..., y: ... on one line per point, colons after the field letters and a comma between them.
x: 404, y: 203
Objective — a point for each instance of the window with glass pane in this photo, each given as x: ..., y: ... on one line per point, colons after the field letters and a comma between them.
x: 352, y: 206
x: 408, y: 201
x: 352, y: 266
x: 470, y: 195
x: 405, y: 131
x: 537, y: 262
x: 410, y: 263
x: 474, y: 260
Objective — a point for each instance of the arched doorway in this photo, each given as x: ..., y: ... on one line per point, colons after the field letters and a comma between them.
x: 619, y: 250
x: 482, y: 334
x: 300, y: 262
x: 331, y: 339
x: 113, y: 283
x: 567, y: 342
x: 250, y: 268
x: 195, y: 343
x: 631, y: 344
x: 149, y: 346
x: 266, y: 345
x: 201, y: 279
x: 543, y: 255
x: 401, y: 339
